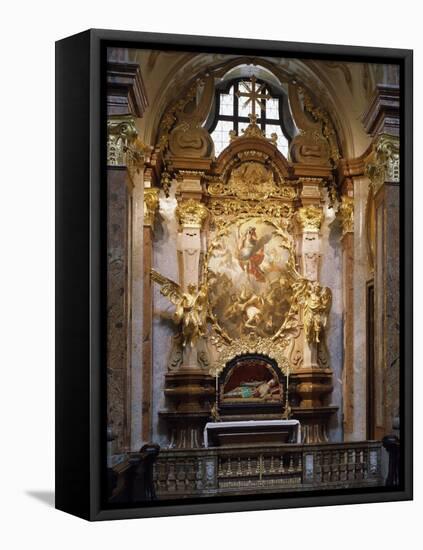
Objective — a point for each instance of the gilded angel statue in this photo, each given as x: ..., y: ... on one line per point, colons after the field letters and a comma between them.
x: 315, y: 301
x: 191, y: 307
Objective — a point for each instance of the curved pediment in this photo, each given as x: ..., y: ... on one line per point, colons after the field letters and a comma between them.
x: 252, y: 168
x: 242, y: 147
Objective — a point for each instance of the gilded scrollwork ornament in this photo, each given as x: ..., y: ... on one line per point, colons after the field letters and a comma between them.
x: 346, y: 214
x: 151, y: 204
x: 224, y: 210
x: 136, y: 154
x: 252, y: 180
x: 264, y: 346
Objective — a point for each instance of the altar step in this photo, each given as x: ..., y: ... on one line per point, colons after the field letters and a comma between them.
x: 217, y: 471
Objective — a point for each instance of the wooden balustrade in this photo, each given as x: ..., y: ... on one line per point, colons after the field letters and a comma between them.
x: 240, y: 470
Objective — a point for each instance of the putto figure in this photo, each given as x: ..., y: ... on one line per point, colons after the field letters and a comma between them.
x: 191, y: 307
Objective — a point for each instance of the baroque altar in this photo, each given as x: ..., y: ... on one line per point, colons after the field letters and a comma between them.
x: 250, y: 312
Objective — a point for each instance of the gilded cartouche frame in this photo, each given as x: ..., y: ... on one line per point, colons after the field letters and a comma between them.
x: 81, y: 271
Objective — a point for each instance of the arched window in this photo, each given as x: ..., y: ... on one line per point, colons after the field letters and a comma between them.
x: 231, y: 111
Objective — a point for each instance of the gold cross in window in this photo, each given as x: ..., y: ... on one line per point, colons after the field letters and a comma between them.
x: 254, y: 95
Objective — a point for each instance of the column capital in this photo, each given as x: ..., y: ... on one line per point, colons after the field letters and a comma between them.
x: 191, y: 213
x: 121, y: 133
x: 310, y: 218
x: 383, y: 163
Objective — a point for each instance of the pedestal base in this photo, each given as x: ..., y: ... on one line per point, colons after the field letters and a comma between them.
x: 185, y: 429
x: 314, y: 422
x: 190, y: 393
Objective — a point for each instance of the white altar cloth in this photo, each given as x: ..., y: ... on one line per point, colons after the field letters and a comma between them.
x: 250, y: 423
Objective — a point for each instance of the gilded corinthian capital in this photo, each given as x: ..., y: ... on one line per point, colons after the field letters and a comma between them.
x: 121, y: 133
x: 346, y: 214
x: 191, y: 213
x: 383, y: 164
x: 310, y: 218
x: 151, y: 204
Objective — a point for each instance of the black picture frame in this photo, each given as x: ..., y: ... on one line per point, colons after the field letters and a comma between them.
x: 80, y: 271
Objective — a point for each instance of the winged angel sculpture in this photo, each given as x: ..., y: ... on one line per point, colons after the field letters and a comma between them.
x: 315, y: 301
x: 191, y: 307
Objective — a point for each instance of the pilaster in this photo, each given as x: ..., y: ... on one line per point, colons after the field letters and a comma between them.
x: 313, y: 382
x: 346, y: 217
x: 383, y: 171
x: 126, y: 101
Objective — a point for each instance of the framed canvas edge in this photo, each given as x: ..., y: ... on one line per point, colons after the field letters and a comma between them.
x: 402, y: 56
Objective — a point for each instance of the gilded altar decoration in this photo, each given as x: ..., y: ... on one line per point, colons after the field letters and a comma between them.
x: 191, y: 307
x: 252, y: 180
x: 310, y: 218
x: 151, y: 204
x: 251, y: 344
x: 191, y: 213
x: 346, y: 213
x: 315, y: 301
x: 121, y: 133
x: 224, y: 210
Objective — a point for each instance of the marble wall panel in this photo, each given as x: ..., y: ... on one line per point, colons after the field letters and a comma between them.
x: 165, y: 262
x: 331, y: 276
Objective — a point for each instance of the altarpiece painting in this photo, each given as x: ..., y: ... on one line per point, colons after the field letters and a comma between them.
x: 253, y: 274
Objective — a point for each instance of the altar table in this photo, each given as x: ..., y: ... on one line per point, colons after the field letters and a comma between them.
x: 246, y: 432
